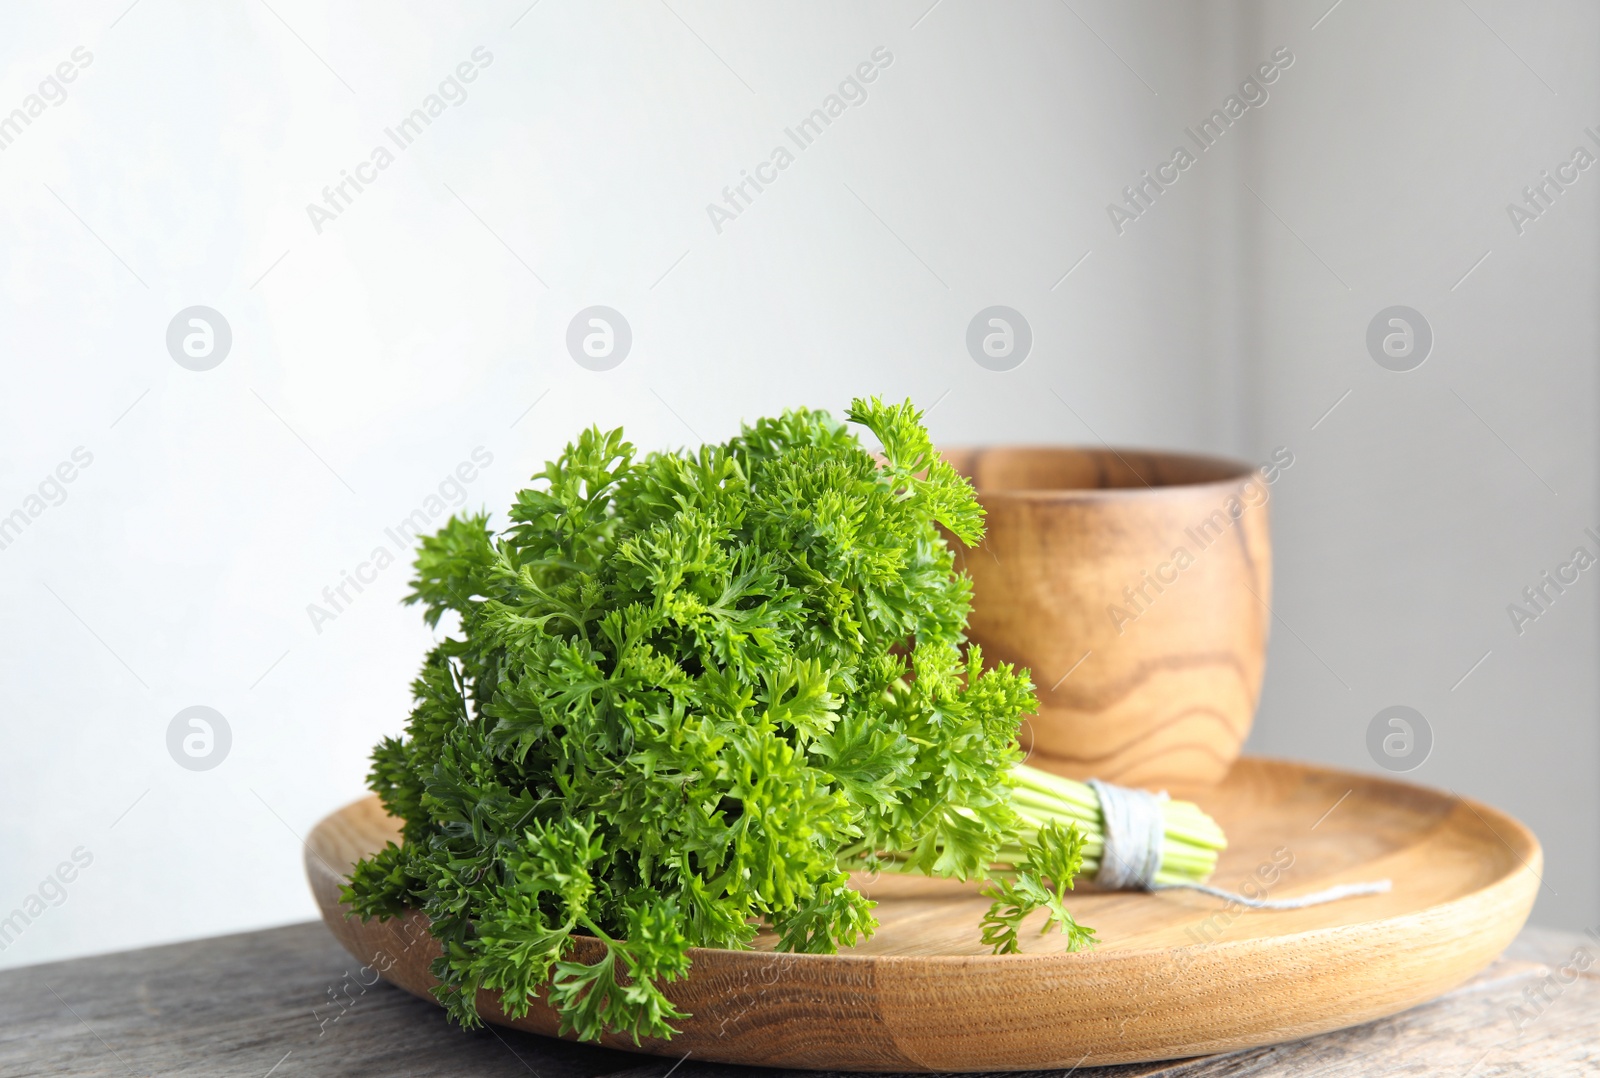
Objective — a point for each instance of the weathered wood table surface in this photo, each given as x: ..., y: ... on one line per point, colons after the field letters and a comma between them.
x: 288, y: 1001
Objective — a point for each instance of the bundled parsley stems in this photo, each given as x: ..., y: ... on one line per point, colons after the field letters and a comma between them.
x: 689, y: 694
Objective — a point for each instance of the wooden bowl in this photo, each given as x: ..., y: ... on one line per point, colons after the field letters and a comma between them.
x: 1175, y: 974
x: 1135, y: 586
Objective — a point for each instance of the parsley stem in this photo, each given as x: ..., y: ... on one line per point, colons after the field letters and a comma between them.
x: 1191, y: 843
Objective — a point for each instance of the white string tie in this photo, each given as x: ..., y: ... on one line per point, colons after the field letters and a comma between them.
x: 1135, y: 833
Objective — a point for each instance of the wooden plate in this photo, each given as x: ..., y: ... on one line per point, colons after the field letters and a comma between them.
x: 1177, y: 974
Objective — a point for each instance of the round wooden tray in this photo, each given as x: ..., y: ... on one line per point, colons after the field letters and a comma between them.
x: 1177, y: 974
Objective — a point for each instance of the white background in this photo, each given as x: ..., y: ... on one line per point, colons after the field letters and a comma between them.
x: 372, y: 358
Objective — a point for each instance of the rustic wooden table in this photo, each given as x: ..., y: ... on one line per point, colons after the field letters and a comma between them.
x: 288, y: 1001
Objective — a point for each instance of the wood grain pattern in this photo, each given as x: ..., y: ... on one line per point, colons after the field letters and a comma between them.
x: 286, y: 998
x: 1147, y: 662
x: 288, y: 1001
x: 1177, y: 974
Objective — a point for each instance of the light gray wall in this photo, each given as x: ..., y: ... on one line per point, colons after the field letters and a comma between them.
x: 370, y: 359
x: 1419, y: 509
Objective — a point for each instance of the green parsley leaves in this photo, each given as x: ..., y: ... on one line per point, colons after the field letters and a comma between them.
x: 689, y: 692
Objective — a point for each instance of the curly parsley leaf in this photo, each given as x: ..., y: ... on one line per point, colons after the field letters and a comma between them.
x: 1040, y: 881
x: 688, y: 693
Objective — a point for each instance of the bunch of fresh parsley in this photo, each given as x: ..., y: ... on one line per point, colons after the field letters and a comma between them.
x: 688, y: 694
